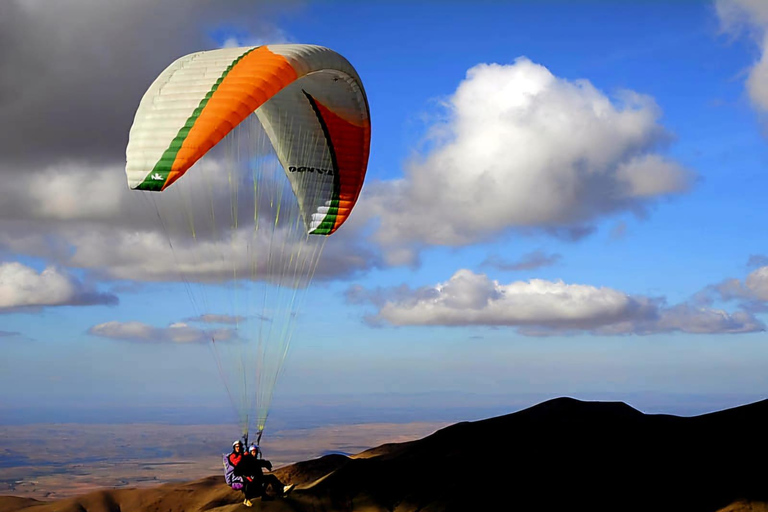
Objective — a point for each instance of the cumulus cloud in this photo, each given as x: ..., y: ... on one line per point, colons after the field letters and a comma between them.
x: 474, y: 299
x: 751, y: 292
x: 174, y: 333
x: 541, y: 307
x: 529, y: 261
x: 687, y: 318
x: 23, y: 287
x: 86, y: 217
x: 751, y: 17
x: 66, y: 193
x: 522, y: 148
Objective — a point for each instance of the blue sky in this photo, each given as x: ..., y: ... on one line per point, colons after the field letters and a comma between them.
x: 618, y: 253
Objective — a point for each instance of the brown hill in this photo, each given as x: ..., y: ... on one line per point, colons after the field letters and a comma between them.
x: 563, y: 454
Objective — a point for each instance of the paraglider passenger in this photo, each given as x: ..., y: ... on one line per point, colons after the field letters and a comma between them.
x: 255, y: 481
x: 230, y: 463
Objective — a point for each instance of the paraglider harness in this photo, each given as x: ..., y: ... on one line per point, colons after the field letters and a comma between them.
x: 235, y: 482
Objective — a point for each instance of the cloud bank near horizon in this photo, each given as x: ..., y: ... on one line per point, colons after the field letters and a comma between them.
x: 140, y: 332
x: 540, y: 307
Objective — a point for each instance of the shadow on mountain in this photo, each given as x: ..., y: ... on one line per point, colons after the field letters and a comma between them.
x: 563, y: 454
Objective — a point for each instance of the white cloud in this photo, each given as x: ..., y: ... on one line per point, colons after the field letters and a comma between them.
x: 750, y: 16
x: 695, y: 320
x: 87, y: 217
x: 737, y: 14
x: 258, y: 255
x: 73, y: 192
x: 523, y: 148
x: 650, y: 176
x: 757, y: 283
x: 540, y: 307
x: 174, y: 333
x: 23, y: 287
x: 753, y: 288
x: 66, y: 192
x: 474, y: 299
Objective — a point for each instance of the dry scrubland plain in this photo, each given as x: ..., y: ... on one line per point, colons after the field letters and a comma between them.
x: 49, y: 462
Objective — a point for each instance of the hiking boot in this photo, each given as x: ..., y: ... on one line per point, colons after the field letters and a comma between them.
x: 247, y: 503
x: 287, y: 489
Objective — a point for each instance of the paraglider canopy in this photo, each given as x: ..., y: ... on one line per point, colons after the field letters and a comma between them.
x: 292, y: 122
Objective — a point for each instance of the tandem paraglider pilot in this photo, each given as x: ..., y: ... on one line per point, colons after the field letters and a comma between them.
x: 247, y: 474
